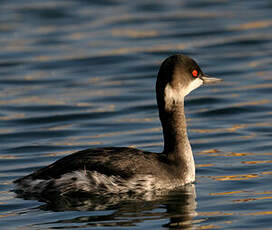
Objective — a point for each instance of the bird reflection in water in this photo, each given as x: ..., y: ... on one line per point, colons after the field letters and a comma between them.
x: 175, y: 209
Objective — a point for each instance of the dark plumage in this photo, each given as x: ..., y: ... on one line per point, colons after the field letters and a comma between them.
x: 118, y: 161
x: 121, y: 170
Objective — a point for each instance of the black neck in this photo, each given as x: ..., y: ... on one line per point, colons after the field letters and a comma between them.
x: 176, y: 143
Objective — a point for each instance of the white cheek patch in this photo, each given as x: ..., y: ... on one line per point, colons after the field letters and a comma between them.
x: 172, y: 95
x: 193, y: 85
x: 176, y: 95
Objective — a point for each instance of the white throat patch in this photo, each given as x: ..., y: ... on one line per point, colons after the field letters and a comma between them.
x: 193, y: 85
x: 175, y: 95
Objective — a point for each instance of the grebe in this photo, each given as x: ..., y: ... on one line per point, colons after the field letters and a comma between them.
x: 115, y: 170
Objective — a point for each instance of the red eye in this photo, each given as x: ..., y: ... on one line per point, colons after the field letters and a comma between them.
x: 195, y: 73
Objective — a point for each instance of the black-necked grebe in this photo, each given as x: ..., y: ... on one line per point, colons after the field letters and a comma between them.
x: 115, y: 170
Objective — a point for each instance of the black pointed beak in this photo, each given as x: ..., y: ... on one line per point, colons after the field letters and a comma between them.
x: 209, y: 80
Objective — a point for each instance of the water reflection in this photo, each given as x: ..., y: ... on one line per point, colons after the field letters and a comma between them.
x: 181, y: 209
x: 68, y: 70
x: 129, y: 210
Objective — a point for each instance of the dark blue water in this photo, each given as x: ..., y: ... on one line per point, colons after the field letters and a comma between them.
x: 80, y: 74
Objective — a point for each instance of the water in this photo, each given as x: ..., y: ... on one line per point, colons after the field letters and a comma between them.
x: 80, y: 74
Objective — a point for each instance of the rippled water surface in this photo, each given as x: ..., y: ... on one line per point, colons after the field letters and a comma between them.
x: 80, y: 74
